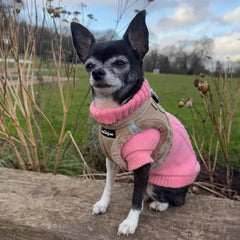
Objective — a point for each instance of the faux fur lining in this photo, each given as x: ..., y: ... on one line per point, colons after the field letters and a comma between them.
x: 149, y: 115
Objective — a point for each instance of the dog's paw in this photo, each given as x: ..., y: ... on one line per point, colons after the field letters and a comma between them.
x: 159, y: 206
x: 128, y: 226
x: 99, y: 207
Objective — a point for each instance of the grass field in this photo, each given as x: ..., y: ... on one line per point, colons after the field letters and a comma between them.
x: 171, y: 88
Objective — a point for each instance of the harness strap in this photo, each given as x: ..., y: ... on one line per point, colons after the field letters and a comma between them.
x: 150, y: 115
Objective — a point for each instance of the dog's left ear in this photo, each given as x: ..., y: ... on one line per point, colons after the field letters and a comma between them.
x: 137, y: 34
x: 82, y: 40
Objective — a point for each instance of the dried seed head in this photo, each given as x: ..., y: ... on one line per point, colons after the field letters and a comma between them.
x: 203, y: 87
x: 18, y: 9
x: 189, y: 103
x: 181, y: 104
x: 90, y: 16
x: 196, y: 82
x: 195, y: 189
x: 56, y: 13
x: 76, y: 13
x: 18, y: 1
x: 50, y: 9
x: 75, y: 20
x: 202, y: 75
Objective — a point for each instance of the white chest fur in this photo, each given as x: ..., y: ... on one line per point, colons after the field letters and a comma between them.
x: 105, y: 103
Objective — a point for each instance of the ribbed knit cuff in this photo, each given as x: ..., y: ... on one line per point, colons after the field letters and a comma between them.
x: 138, y: 159
x: 171, y: 181
x: 110, y: 116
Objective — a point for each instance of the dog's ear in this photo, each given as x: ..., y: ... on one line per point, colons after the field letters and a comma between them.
x: 82, y: 40
x: 137, y: 34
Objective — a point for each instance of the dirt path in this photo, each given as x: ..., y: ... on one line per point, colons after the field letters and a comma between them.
x: 42, y: 80
x: 43, y: 206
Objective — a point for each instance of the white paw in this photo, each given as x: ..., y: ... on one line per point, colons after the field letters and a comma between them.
x: 159, y: 206
x: 128, y: 226
x: 99, y: 207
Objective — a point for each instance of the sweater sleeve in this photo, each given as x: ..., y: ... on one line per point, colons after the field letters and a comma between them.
x: 137, y: 150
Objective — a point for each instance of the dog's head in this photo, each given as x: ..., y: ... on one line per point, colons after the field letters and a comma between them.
x: 115, y: 67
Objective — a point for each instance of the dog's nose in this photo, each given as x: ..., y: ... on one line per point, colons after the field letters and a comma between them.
x: 98, y: 74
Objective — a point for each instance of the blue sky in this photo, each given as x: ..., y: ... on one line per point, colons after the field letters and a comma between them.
x: 172, y: 21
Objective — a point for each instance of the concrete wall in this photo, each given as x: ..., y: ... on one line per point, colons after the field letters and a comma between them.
x: 44, y: 206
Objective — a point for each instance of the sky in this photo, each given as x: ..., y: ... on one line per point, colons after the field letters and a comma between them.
x: 171, y: 22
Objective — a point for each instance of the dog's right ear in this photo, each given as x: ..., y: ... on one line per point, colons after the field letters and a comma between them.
x: 82, y: 40
x: 137, y: 34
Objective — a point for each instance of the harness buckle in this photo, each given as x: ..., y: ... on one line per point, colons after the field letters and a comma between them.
x: 134, y: 128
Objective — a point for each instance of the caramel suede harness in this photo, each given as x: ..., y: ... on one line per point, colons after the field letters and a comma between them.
x: 150, y: 115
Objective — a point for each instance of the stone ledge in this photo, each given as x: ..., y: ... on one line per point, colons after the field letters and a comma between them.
x: 44, y: 206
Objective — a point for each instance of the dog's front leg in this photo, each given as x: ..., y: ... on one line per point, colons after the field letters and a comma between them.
x: 129, y: 225
x: 102, y: 205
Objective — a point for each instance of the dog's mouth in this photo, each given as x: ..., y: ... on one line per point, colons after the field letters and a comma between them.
x: 102, y: 86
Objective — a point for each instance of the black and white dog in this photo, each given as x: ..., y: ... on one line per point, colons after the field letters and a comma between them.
x: 116, y: 75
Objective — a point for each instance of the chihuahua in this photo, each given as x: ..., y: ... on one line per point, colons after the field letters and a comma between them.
x: 120, y: 95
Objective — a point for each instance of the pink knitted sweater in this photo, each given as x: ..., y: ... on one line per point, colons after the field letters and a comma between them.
x: 180, y: 167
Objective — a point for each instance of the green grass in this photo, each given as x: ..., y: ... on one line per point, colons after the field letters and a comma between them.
x: 171, y: 88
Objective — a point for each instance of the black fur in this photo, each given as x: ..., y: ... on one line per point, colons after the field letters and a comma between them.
x: 133, y: 46
x: 173, y: 196
x: 134, y: 78
x: 137, y: 34
x: 82, y: 40
x: 140, y: 184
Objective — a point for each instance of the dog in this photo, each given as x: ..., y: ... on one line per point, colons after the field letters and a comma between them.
x: 133, y: 125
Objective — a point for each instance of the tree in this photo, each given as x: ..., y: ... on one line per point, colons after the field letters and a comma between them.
x: 105, y: 35
x: 197, y: 58
x: 150, y: 61
x: 164, y: 64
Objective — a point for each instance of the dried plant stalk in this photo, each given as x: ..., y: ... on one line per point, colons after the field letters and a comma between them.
x: 20, y: 111
x: 220, y: 102
x: 19, y: 125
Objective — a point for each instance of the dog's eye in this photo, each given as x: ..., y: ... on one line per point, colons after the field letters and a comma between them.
x: 89, y: 66
x: 119, y: 63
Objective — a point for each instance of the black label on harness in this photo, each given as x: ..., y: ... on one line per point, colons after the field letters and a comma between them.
x: 108, y: 132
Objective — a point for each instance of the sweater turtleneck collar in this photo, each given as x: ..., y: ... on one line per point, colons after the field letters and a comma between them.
x: 110, y: 116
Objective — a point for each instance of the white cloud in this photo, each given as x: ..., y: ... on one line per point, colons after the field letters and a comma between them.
x: 103, y: 3
x: 233, y: 16
x: 173, y: 21
x: 168, y: 40
x: 184, y: 15
x: 227, y: 46
x: 224, y: 46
